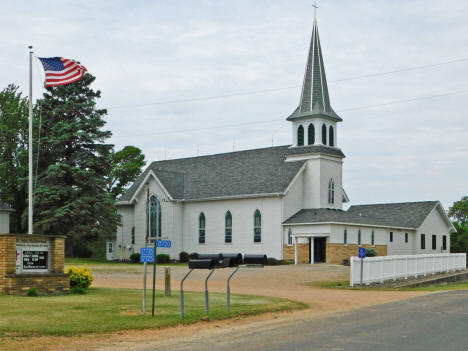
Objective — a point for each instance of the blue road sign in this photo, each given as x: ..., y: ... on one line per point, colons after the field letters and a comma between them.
x: 147, y: 254
x: 362, y: 252
x: 164, y: 243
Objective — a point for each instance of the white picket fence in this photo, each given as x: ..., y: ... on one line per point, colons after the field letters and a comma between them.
x: 380, y: 269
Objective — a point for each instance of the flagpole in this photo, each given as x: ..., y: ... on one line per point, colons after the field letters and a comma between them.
x: 30, y: 179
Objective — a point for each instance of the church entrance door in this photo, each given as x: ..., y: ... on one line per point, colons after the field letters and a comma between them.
x: 320, y: 250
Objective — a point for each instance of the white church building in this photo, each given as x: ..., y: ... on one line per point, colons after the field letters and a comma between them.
x: 285, y: 201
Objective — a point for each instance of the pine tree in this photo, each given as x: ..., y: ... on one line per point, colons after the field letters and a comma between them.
x: 71, y: 197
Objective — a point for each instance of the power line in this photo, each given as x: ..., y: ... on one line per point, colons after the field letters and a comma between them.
x: 263, y: 91
x: 174, y: 131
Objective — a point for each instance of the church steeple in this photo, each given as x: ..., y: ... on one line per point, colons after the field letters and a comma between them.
x: 314, y: 97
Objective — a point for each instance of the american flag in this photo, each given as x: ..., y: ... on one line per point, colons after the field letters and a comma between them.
x: 61, y: 71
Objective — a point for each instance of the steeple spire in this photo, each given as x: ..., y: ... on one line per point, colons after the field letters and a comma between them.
x: 314, y: 97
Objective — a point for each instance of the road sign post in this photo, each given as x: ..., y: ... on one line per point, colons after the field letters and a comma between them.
x: 154, y: 276
x: 146, y: 255
x: 362, y: 255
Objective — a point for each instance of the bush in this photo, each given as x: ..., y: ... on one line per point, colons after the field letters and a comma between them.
x: 82, y: 252
x: 80, y: 276
x: 193, y: 256
x: 273, y: 261
x: 77, y: 290
x: 135, y: 257
x: 163, y: 258
x: 371, y: 253
x: 32, y: 292
x: 184, y: 256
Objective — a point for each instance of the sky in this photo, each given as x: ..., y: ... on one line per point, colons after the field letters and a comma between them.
x: 197, y: 77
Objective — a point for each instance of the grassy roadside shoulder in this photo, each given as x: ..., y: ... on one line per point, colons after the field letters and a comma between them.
x: 344, y: 284
x: 73, y: 261
x: 109, y: 310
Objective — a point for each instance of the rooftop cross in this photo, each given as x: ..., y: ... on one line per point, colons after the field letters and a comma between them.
x: 315, y: 9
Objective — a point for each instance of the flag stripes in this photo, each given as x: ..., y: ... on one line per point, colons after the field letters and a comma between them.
x: 60, y: 71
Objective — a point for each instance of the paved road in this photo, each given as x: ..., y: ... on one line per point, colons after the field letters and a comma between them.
x: 433, y: 322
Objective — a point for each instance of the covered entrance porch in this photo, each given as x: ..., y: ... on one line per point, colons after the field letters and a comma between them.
x: 314, y: 245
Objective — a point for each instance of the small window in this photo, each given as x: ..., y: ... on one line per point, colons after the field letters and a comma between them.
x: 372, y: 237
x: 201, y: 228
x: 391, y: 237
x: 110, y: 247
x: 434, y: 242
x: 423, y: 241
x: 345, y: 237
x: 289, y: 237
x: 331, y: 192
x: 311, y: 134
x: 444, y: 242
x: 359, y: 237
x: 300, y: 136
x: 406, y: 237
x: 324, y: 134
x: 228, y: 228
x: 133, y: 235
x: 331, y: 137
x: 257, y: 227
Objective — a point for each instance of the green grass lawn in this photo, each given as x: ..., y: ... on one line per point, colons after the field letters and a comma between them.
x: 108, y: 310
x: 94, y: 261
x: 344, y: 284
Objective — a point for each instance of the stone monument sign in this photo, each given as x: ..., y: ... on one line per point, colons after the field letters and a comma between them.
x: 32, y: 261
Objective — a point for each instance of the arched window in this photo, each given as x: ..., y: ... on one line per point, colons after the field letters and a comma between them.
x: 372, y: 237
x: 331, y: 192
x: 311, y: 134
x: 155, y: 217
x: 324, y: 134
x: 359, y: 237
x: 345, y: 237
x: 331, y: 137
x: 257, y: 227
x: 228, y: 227
x: 300, y: 136
x: 289, y: 237
x: 201, y: 228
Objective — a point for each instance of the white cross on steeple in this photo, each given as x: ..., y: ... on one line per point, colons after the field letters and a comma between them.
x: 315, y: 9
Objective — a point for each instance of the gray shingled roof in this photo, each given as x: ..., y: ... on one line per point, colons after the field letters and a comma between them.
x: 314, y: 97
x: 323, y: 149
x: 402, y: 215
x: 4, y: 206
x: 248, y: 172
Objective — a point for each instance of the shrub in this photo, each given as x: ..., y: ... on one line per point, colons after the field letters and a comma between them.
x: 80, y: 276
x: 32, y: 292
x: 273, y: 261
x: 135, y: 257
x: 77, y: 290
x: 184, y: 256
x: 163, y: 258
x: 371, y: 253
x: 193, y: 256
x: 82, y: 252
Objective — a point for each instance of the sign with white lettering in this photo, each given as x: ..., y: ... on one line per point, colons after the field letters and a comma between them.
x: 32, y: 257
